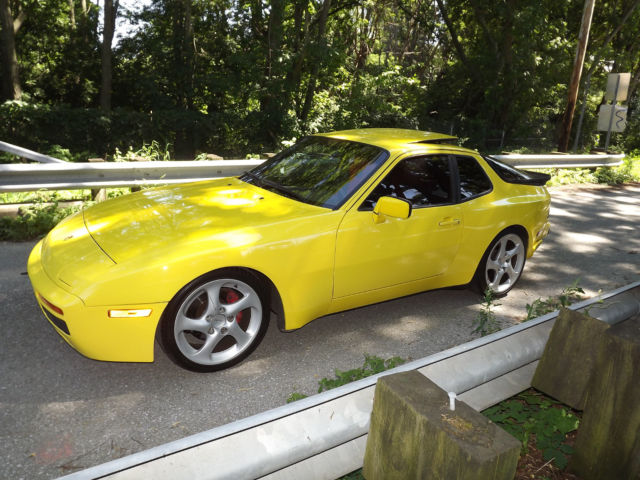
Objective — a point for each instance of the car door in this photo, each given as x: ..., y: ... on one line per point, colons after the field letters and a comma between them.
x: 372, y: 255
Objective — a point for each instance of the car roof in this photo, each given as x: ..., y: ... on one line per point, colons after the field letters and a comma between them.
x: 391, y: 138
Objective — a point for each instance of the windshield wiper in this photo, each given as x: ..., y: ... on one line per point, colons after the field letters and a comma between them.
x: 283, y: 190
x: 258, y: 180
x: 271, y: 185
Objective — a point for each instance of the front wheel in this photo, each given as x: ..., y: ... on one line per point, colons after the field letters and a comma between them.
x: 215, y: 322
x: 502, y: 264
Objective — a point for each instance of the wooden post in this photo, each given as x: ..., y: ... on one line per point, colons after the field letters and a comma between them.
x: 574, y: 83
x: 98, y: 194
x: 415, y: 435
x: 572, y: 343
x: 608, y: 442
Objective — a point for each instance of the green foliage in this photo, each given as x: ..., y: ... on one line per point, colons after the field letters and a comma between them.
x: 569, y: 295
x: 32, y: 222
x: 569, y: 176
x: 531, y: 413
x: 295, y: 396
x: 629, y: 171
x: 371, y: 366
x: 485, y: 322
x: 152, y: 152
x: 355, y: 475
x: 234, y: 77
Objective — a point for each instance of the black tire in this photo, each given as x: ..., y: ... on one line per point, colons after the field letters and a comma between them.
x: 502, y: 264
x: 215, y: 321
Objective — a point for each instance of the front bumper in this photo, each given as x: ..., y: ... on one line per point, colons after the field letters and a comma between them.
x: 90, y: 330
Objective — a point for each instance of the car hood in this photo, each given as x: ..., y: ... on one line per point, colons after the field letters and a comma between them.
x: 218, y: 213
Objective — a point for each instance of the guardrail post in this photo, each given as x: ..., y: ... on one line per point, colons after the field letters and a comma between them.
x: 572, y: 343
x: 98, y: 194
x: 608, y: 445
x: 414, y: 434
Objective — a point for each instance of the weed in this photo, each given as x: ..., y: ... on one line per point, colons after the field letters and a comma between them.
x: 485, y: 322
x: 569, y: 295
x: 148, y: 152
x: 372, y: 365
x: 532, y: 413
x: 295, y: 396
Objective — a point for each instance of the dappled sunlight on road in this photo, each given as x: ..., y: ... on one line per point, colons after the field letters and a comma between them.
x: 87, y: 412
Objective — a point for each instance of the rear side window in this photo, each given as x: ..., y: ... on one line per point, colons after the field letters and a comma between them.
x: 473, y: 179
x: 423, y: 181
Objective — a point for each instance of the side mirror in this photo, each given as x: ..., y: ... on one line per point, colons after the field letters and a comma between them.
x: 391, y: 207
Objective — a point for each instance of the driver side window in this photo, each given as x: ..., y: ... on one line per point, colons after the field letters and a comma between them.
x: 423, y: 181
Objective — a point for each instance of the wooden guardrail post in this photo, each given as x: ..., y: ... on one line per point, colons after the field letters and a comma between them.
x: 608, y: 442
x: 98, y: 194
x: 415, y: 435
x: 572, y: 343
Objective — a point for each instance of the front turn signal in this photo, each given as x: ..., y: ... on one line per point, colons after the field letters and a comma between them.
x: 130, y: 313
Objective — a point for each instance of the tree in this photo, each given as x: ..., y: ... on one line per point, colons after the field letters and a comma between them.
x: 11, y: 89
x: 110, y: 15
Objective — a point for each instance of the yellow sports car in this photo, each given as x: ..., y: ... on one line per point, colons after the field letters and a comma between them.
x: 337, y: 221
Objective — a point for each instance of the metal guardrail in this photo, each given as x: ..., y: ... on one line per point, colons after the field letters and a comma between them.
x: 55, y: 174
x: 324, y: 436
x: 26, y: 153
x: 68, y: 176
x: 561, y: 160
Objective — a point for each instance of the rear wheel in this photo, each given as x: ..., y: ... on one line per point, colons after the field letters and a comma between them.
x: 502, y: 264
x: 215, y: 322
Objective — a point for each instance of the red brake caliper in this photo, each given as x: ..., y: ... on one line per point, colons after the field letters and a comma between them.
x: 233, y: 297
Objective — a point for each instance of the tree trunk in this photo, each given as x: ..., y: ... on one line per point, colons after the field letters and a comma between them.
x: 311, y: 87
x: 72, y: 14
x: 10, y: 74
x: 110, y: 13
x: 453, y: 34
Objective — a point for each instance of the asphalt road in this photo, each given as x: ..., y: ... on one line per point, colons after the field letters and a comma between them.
x: 61, y: 412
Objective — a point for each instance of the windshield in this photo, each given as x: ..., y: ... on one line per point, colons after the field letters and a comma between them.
x: 319, y: 170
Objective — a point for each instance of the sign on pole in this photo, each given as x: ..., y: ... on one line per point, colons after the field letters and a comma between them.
x: 613, y: 114
x: 617, y: 82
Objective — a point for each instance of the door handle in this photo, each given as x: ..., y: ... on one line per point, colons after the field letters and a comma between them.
x: 446, y: 222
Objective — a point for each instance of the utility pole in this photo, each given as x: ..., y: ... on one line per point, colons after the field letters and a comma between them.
x: 574, y: 83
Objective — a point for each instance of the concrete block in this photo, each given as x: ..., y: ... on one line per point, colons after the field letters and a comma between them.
x: 414, y: 435
x: 569, y: 357
x: 608, y: 442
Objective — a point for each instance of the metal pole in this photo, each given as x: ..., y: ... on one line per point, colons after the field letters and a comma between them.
x: 613, y: 111
x: 587, y: 87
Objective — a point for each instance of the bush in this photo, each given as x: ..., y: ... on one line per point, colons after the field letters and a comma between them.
x: 32, y: 222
